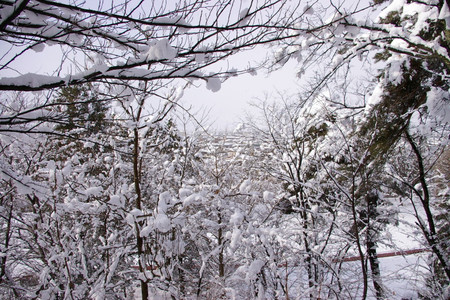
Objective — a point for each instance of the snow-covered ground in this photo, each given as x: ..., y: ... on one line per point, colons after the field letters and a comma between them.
x: 402, y: 275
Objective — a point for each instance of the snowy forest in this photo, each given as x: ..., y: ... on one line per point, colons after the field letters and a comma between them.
x: 111, y: 188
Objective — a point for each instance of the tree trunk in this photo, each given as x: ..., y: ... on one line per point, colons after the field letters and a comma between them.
x: 6, y: 245
x: 371, y: 243
x: 375, y: 268
x: 358, y: 241
x: 220, y: 244
x: 310, y: 264
x: 139, y: 239
x: 429, y: 229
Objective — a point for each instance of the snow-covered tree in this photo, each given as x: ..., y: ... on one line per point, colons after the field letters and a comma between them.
x: 65, y: 227
x: 417, y: 166
x: 409, y: 40
x: 293, y: 138
x: 219, y: 212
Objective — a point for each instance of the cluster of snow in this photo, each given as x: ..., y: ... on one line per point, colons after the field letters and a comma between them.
x: 254, y: 269
x: 444, y: 14
x: 93, y: 191
x: 213, y: 84
x: 162, y: 222
x: 245, y: 186
x: 244, y: 17
x: 117, y: 201
x: 236, y: 218
x: 161, y: 50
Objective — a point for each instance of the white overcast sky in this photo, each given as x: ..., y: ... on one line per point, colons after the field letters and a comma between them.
x: 228, y: 105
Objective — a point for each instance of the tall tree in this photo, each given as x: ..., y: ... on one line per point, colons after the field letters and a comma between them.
x: 293, y: 135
